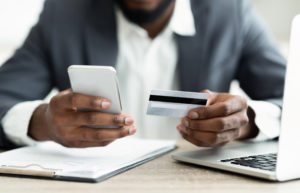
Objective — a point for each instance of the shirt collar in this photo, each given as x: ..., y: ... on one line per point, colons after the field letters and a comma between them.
x: 181, y: 22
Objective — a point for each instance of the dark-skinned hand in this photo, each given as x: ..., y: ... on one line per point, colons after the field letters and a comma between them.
x: 60, y: 121
x: 225, y: 118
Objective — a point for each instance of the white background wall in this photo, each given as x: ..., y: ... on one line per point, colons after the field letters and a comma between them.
x: 16, y: 18
x: 278, y: 14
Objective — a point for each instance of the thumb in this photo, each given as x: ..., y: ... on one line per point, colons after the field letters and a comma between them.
x: 212, y: 96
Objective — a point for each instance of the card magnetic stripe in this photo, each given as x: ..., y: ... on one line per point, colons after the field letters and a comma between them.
x: 171, y: 99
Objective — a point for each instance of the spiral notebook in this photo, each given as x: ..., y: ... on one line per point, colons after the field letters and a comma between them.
x: 51, y: 160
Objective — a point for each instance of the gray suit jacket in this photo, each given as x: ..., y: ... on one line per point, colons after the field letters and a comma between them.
x: 230, y: 43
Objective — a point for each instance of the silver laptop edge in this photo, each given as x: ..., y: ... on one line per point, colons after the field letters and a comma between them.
x: 288, y: 151
x: 288, y: 157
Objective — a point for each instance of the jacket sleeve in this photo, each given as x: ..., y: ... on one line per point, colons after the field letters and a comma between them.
x: 262, y: 68
x: 27, y: 75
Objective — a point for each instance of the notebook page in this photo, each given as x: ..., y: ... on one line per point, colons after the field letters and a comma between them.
x: 85, y: 162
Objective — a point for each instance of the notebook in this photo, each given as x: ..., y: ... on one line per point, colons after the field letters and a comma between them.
x: 51, y: 160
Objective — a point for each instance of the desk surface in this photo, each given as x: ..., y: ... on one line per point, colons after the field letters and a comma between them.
x: 160, y: 175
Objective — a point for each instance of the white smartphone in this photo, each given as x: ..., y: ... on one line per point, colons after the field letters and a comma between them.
x: 99, y: 81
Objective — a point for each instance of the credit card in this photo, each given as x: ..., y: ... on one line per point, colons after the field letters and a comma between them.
x: 175, y: 104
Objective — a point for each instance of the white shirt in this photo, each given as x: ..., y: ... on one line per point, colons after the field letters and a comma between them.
x: 144, y: 64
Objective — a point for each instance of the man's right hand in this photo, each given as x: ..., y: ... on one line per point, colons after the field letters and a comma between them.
x: 60, y: 121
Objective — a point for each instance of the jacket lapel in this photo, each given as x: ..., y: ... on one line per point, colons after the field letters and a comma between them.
x: 101, y: 35
x: 193, y: 71
x: 102, y: 44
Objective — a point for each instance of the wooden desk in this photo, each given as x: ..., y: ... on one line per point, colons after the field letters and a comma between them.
x: 162, y: 175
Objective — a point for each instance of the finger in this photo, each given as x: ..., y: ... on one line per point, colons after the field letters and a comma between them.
x: 69, y: 100
x: 191, y: 139
x: 222, y: 144
x: 220, y: 109
x: 212, y: 97
x: 85, y: 144
x: 218, y: 125
x: 99, y: 119
x: 100, y: 135
x: 214, y: 139
x: 208, y: 139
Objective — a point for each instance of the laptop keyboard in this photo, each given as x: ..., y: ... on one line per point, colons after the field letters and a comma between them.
x: 264, y: 162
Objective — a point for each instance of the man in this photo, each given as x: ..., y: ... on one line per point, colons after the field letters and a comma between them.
x: 167, y: 44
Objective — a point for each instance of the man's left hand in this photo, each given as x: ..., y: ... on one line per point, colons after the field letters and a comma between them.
x: 225, y: 118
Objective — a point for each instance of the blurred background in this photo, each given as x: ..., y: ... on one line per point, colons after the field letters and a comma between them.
x: 17, y: 17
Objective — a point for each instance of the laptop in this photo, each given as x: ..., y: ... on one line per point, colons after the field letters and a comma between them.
x: 271, y: 160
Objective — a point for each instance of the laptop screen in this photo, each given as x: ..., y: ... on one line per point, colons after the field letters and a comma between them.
x: 289, y: 142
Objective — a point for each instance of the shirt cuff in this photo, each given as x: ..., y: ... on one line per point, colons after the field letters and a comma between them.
x: 267, y: 119
x: 16, y: 122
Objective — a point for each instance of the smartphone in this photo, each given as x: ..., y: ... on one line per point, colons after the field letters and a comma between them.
x: 99, y: 81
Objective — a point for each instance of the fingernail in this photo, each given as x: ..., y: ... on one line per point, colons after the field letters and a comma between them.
x: 105, y: 104
x: 184, y: 130
x: 131, y: 131
x: 180, y: 128
x: 128, y: 121
x: 194, y: 115
x: 186, y: 123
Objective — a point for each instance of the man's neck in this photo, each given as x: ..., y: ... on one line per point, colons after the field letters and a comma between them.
x: 158, y: 25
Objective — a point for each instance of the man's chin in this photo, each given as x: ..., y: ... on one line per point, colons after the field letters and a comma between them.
x: 143, y: 11
x: 142, y: 4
